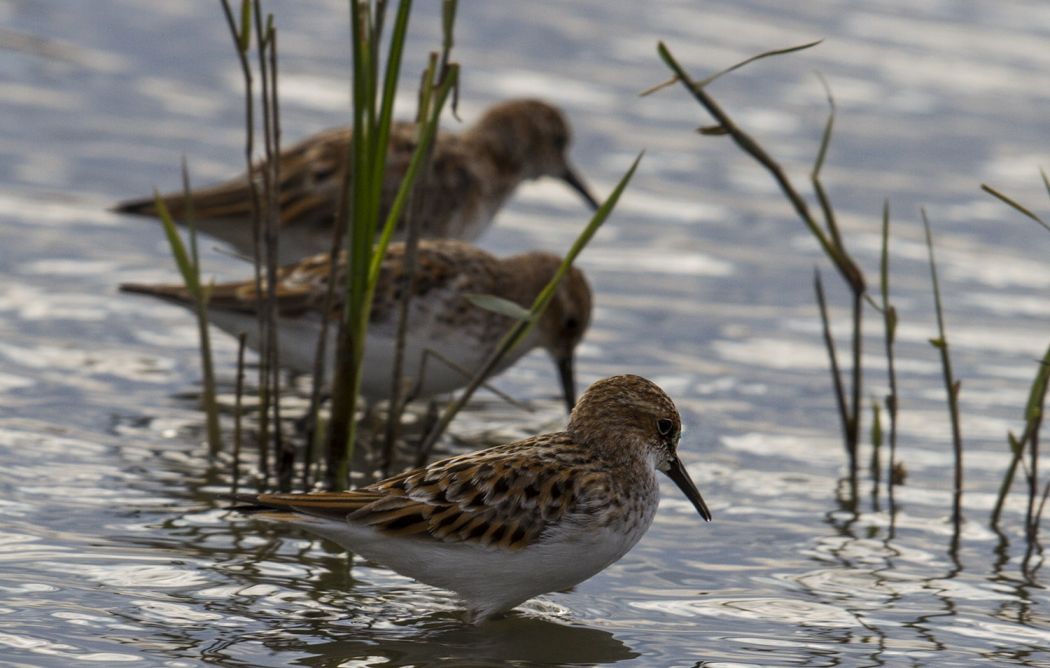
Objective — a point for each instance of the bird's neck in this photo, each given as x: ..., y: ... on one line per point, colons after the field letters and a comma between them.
x: 522, y: 277
x: 506, y: 155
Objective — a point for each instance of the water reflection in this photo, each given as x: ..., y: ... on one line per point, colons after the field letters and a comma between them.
x: 516, y: 639
x: 112, y: 547
x: 892, y: 584
x: 307, y: 601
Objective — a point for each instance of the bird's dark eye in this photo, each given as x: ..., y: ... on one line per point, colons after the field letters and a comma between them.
x: 571, y: 324
x: 560, y: 142
x: 664, y: 426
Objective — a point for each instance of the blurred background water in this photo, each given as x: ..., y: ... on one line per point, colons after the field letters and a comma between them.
x: 113, y: 551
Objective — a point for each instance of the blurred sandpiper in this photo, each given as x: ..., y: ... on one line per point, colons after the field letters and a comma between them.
x: 472, y: 175
x: 442, y: 318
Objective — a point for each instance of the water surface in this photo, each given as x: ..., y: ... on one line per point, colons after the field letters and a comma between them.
x: 112, y: 546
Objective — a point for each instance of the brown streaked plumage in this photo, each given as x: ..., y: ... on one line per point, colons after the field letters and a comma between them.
x: 472, y: 175
x: 502, y: 525
x: 441, y: 317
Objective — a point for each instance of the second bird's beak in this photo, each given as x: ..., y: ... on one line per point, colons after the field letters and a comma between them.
x: 678, y: 474
x: 573, y: 179
x: 568, y: 381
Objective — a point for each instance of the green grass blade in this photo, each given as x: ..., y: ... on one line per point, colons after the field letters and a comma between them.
x: 499, y: 305
x: 427, y: 132
x: 522, y: 328
x: 704, y: 82
x: 190, y: 272
x: 244, y: 37
x: 1017, y: 206
x: 393, y: 73
x: 178, y: 248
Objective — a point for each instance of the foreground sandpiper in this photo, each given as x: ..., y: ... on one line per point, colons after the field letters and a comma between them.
x: 502, y: 525
x: 472, y: 175
x: 444, y: 326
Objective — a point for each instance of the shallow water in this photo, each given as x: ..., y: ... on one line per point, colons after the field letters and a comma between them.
x: 113, y: 550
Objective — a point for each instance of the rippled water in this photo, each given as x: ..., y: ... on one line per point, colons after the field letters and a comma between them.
x: 113, y: 550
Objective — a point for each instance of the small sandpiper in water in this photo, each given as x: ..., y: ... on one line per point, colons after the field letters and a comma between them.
x: 472, y: 175
x: 502, y: 525
x: 441, y: 319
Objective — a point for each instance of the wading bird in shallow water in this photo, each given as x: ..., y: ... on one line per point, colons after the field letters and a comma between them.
x: 472, y: 174
x: 441, y: 316
x: 502, y: 525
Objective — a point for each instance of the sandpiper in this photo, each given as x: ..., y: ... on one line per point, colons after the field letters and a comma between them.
x: 472, y: 175
x: 502, y: 525
x: 441, y: 320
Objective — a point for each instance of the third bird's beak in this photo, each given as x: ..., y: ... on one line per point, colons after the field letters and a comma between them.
x: 579, y: 186
x: 568, y: 381
x: 678, y: 474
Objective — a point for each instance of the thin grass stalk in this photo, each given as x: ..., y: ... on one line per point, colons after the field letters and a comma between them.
x: 889, y: 319
x: 1017, y: 449
x: 285, y: 450
x: 1015, y: 204
x: 446, y: 75
x: 408, y: 277
x: 1034, y: 409
x: 208, y: 395
x: 200, y: 295
x: 876, y: 450
x: 836, y: 373
x: 1039, y: 513
x: 407, y: 280
x: 1033, y: 543
x: 190, y: 217
x: 242, y: 41
x: 1034, y: 412
x: 420, y: 157
x: 829, y: 241
x: 843, y: 263
x: 465, y: 373
x: 266, y: 38
x: 314, y: 437
x: 344, y: 393
x: 378, y: 22
x: 238, y: 408
x: 704, y: 82
x: 522, y: 327
x: 386, y: 109
x: 857, y: 377
x: 365, y: 188
x: 818, y: 164
x: 853, y: 414
x: 951, y: 385
x: 411, y: 223
x: 1031, y: 516
x: 448, y: 21
x: 426, y: 138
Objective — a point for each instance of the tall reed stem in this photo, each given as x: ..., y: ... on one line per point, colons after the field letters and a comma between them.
x: 242, y: 42
x: 830, y: 240
x: 950, y: 383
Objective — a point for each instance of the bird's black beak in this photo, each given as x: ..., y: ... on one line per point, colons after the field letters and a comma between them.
x: 574, y: 180
x: 678, y: 474
x: 568, y: 381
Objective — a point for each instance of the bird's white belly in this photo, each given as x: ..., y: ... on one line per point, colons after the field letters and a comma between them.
x: 488, y: 579
x: 298, y: 350
x: 419, y: 366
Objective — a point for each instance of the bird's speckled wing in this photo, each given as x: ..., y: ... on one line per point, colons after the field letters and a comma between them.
x: 310, y: 178
x: 300, y: 287
x: 303, y: 286
x: 499, y: 497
